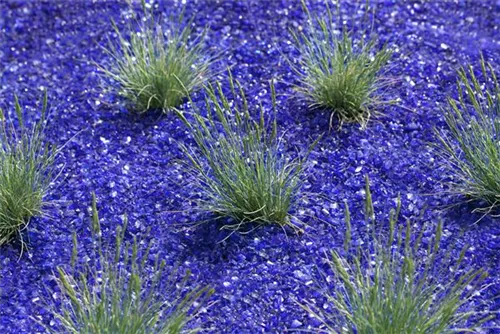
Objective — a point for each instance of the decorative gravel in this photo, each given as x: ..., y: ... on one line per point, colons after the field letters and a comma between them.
x: 132, y: 162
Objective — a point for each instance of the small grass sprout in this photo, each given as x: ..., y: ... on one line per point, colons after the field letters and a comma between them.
x: 26, y: 171
x: 238, y: 165
x: 471, y: 148
x: 156, y: 67
x: 118, y: 292
x: 402, y: 283
x: 337, y: 72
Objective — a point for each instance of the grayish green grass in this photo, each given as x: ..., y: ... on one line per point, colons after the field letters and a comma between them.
x: 238, y: 166
x: 338, y: 72
x: 155, y: 66
x: 471, y: 149
x: 396, y: 285
x: 118, y: 292
x: 26, y: 170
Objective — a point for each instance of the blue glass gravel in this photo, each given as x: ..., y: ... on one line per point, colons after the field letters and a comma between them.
x: 132, y: 164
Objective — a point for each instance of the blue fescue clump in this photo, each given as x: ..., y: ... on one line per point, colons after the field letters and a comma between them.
x: 237, y: 164
x: 337, y: 72
x: 398, y: 283
x: 118, y: 292
x: 156, y: 67
x: 471, y: 148
x: 26, y: 170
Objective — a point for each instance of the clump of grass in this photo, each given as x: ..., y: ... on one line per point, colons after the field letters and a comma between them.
x: 337, y: 72
x: 402, y: 283
x: 471, y: 149
x: 156, y: 67
x: 238, y: 165
x: 118, y: 292
x: 26, y: 170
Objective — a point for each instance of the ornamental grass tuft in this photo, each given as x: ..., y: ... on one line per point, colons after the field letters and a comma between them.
x: 238, y: 165
x: 471, y: 148
x: 337, y: 72
x: 401, y: 282
x: 119, y: 292
x: 155, y: 67
x: 26, y: 170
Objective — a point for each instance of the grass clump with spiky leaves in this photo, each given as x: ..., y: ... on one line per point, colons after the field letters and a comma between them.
x: 118, y: 292
x: 337, y: 72
x: 26, y: 170
x: 156, y: 67
x: 238, y: 165
x: 401, y: 283
x: 471, y: 149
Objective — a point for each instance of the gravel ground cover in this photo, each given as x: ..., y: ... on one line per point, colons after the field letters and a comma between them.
x: 132, y: 161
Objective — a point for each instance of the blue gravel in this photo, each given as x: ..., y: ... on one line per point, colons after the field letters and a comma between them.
x: 131, y: 162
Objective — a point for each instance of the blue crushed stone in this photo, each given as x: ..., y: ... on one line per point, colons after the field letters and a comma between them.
x: 131, y: 162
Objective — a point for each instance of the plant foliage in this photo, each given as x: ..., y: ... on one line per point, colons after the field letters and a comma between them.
x: 118, y: 292
x: 26, y: 170
x: 471, y: 148
x: 238, y: 165
x: 402, y: 283
x: 337, y: 72
x: 155, y: 67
